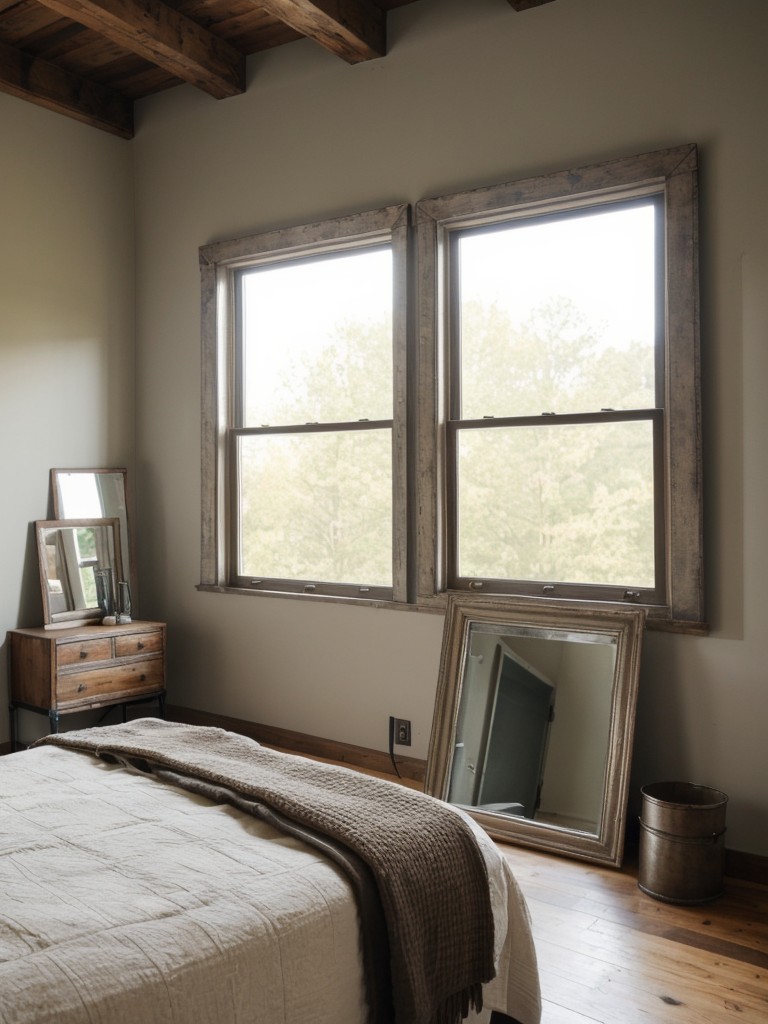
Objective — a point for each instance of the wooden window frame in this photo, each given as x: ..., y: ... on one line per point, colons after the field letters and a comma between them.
x: 219, y: 265
x: 671, y: 173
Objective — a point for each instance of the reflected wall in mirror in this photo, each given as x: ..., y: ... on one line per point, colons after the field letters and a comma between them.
x: 97, y: 494
x: 534, y: 720
x: 68, y: 553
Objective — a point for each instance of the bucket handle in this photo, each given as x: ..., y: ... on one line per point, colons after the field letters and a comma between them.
x: 691, y: 840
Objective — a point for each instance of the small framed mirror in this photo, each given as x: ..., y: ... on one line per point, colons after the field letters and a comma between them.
x: 97, y: 494
x: 70, y: 553
x: 534, y: 720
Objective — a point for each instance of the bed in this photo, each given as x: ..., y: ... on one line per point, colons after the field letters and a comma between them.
x: 154, y: 873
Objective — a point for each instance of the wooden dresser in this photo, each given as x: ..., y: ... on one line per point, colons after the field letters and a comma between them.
x: 59, y: 671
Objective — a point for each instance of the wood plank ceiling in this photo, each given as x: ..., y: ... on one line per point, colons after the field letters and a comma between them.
x: 90, y: 59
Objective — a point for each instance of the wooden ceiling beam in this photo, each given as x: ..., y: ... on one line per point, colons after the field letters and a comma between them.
x: 38, y: 81
x: 162, y: 36
x: 355, y: 30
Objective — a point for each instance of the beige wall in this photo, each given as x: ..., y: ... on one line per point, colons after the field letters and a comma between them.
x: 470, y: 94
x: 66, y: 330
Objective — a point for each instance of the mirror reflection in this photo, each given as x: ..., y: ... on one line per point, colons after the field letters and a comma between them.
x: 69, y: 552
x: 534, y: 718
x: 533, y: 725
x: 96, y: 494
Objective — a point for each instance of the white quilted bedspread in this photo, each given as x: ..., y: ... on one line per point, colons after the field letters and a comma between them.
x: 127, y: 901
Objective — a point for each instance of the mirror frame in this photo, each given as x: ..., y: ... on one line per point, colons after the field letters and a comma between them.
x: 624, y: 627
x: 127, y: 539
x: 77, y: 616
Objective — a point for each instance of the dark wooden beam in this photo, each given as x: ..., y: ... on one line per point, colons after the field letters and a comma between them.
x: 162, y: 36
x: 524, y: 5
x: 36, y: 80
x: 355, y: 30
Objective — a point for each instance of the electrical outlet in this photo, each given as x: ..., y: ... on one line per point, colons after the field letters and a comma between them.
x: 403, y: 732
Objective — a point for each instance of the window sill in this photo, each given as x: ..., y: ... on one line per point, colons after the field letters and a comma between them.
x: 657, y: 617
x: 366, y: 602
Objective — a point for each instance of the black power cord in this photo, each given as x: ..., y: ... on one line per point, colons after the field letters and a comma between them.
x: 392, y: 745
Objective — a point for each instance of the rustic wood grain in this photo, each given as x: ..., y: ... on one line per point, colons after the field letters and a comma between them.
x: 609, y: 953
x: 352, y: 29
x: 162, y: 36
x: 93, y: 58
x: 47, y: 85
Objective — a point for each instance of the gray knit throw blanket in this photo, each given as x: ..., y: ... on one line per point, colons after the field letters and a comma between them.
x: 429, y: 870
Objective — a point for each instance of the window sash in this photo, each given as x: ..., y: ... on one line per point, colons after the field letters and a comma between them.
x: 520, y: 582
x: 580, y: 590
x: 243, y: 355
x: 452, y: 272
x: 322, y: 583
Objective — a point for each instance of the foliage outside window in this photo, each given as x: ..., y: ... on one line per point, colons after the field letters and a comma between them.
x: 562, y: 316
x: 309, y: 469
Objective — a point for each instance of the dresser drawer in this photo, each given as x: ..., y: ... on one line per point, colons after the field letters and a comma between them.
x: 112, y: 681
x: 84, y: 651
x: 138, y: 643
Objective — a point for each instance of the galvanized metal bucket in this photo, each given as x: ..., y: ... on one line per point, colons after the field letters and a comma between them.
x: 682, y: 829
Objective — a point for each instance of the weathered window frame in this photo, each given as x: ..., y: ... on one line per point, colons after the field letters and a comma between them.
x: 219, y: 263
x: 672, y: 173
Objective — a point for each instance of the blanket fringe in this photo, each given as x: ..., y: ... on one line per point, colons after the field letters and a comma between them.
x: 456, y: 1007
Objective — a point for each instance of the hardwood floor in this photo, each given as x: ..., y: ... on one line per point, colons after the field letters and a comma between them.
x: 610, y: 954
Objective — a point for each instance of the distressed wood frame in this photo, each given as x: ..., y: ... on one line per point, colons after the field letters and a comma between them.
x: 670, y: 172
x: 218, y: 262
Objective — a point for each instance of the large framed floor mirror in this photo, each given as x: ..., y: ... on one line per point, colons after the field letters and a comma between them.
x: 534, y: 720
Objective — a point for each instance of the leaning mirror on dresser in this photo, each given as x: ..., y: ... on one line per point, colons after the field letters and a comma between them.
x: 98, y: 494
x: 72, y: 553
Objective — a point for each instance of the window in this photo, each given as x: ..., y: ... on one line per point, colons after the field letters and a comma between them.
x: 553, y: 424
x: 562, y: 323
x: 550, y: 397
x: 308, y: 408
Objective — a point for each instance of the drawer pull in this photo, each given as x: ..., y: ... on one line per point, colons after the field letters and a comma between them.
x: 140, y: 645
x: 81, y: 687
x: 83, y: 654
x: 142, y: 678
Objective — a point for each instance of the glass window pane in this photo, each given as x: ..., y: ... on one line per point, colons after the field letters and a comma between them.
x: 560, y: 503
x: 317, y: 339
x: 317, y: 506
x: 558, y: 315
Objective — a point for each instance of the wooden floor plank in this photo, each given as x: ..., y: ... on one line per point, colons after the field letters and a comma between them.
x: 605, y: 991
x: 642, y: 978
x: 610, y: 954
